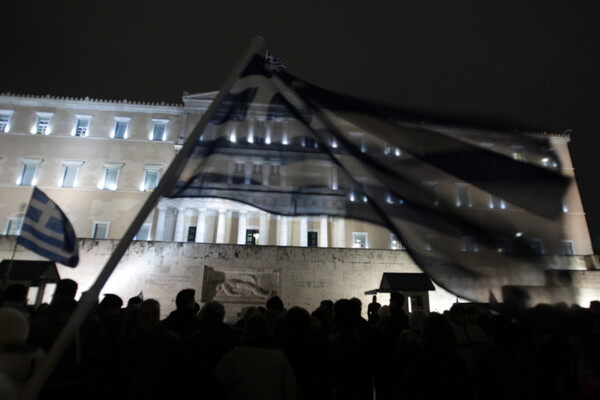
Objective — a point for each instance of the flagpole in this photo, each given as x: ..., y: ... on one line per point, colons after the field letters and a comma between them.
x: 86, y: 303
x: 6, y: 277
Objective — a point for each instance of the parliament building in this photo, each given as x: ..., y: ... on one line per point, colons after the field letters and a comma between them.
x: 100, y: 159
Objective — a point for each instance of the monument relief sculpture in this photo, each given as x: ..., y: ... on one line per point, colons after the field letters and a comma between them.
x: 242, y: 286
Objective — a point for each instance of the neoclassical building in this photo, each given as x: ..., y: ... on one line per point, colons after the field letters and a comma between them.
x: 99, y: 159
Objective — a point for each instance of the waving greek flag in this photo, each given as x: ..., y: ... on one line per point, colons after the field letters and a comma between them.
x: 47, y: 231
x: 476, y: 219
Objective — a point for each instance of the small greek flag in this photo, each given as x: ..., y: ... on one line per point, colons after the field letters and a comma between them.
x: 271, y: 59
x: 47, y: 231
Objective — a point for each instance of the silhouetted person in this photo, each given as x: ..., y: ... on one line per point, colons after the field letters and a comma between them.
x: 437, y: 372
x: 507, y: 369
x: 398, y: 317
x: 15, y: 296
x: 373, y: 311
x: 183, y: 321
x: 18, y: 361
x: 309, y: 353
x: 256, y: 369
x: 69, y: 377
x: 471, y: 340
x: 150, y: 364
x: 353, y: 352
x: 205, y: 348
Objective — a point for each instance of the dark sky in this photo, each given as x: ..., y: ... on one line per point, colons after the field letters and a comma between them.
x: 523, y: 64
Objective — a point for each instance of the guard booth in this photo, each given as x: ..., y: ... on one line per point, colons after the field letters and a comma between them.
x: 33, y: 274
x: 414, y: 286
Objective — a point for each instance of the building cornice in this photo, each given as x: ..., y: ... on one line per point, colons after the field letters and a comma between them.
x: 87, y: 103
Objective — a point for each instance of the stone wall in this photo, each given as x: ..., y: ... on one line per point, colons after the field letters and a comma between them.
x: 299, y: 275
x: 241, y: 276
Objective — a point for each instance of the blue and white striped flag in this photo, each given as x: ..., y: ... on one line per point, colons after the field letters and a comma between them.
x: 314, y: 152
x: 47, y: 231
x: 271, y: 59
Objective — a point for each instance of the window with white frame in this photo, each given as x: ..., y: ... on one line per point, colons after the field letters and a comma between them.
x: 430, y: 187
x: 100, y: 230
x: 395, y: 244
x: 144, y: 232
x: 462, y: 195
x: 360, y: 240
x: 42, y: 124
x: 121, y: 125
x: 567, y: 247
x: 70, y: 174
x: 503, y: 245
x: 159, y: 130
x: 13, y: 226
x: 537, y: 246
x: 110, y: 178
x: 151, y: 176
x: 82, y: 125
x: 28, y: 176
x: 5, y: 117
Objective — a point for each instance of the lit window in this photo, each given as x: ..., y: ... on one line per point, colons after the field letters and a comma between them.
x: 110, y: 179
x: 70, y: 174
x: 503, y: 245
x: 5, y: 116
x: 431, y: 191
x: 239, y: 174
x: 28, y: 175
x: 462, y: 195
x: 395, y: 244
x: 121, y: 125
x: 252, y: 236
x: 144, y: 232
x: 13, y: 227
x: 360, y: 240
x: 82, y: 125
x: 517, y: 153
x: 469, y: 244
x: 42, y: 124
x: 567, y: 247
x: 100, y: 230
x: 151, y: 175
x: 537, y: 246
x: 159, y: 131
x: 496, y: 202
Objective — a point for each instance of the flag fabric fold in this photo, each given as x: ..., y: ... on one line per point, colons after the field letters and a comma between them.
x: 287, y: 147
x: 47, y: 231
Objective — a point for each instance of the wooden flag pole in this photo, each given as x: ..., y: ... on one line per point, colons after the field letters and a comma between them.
x: 169, y: 179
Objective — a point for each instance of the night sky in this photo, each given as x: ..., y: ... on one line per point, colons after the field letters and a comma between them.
x: 528, y: 64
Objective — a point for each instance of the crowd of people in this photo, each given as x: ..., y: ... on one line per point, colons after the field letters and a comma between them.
x: 125, y: 351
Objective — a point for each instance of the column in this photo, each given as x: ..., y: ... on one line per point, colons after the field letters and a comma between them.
x: 201, y: 226
x: 248, y: 172
x: 263, y: 229
x: 304, y: 231
x: 242, y: 226
x: 160, y: 223
x: 282, y: 231
x: 282, y: 173
x: 334, y: 177
x: 339, y: 233
x: 221, y: 226
x: 180, y: 225
x: 323, y: 232
x: 266, y: 170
